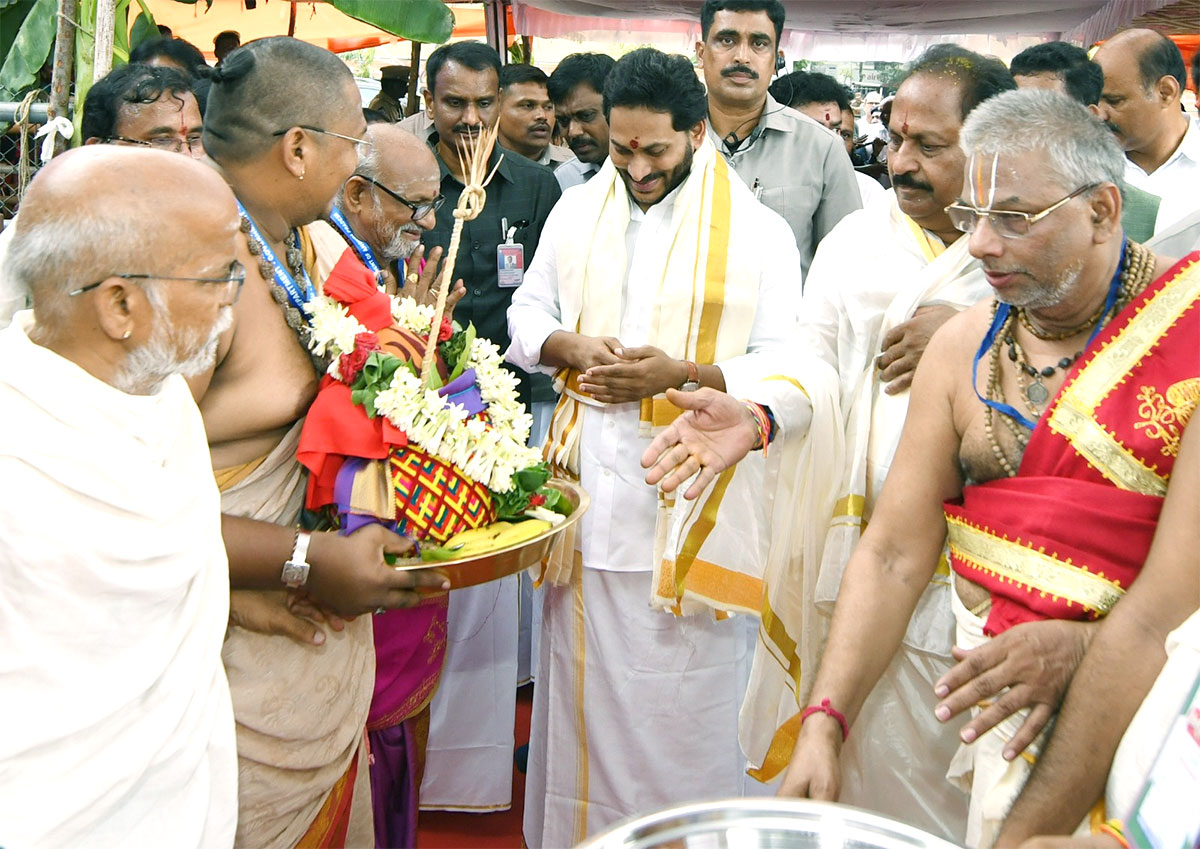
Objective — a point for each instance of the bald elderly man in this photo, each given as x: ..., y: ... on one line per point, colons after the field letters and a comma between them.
x: 391, y: 198
x: 114, y: 583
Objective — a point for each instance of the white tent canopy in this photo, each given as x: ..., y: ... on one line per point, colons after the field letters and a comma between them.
x: 884, y: 30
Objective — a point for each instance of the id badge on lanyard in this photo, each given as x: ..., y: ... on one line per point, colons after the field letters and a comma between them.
x: 510, y: 257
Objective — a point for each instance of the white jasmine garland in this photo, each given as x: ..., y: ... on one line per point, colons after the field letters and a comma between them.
x: 489, y: 455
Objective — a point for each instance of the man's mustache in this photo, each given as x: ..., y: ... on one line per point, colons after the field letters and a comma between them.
x: 740, y: 69
x: 582, y: 143
x: 910, y: 182
x: 1113, y: 127
x: 468, y: 129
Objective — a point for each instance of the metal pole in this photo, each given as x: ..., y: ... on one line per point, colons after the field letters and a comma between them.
x: 64, y: 60
x: 106, y: 27
x: 292, y: 20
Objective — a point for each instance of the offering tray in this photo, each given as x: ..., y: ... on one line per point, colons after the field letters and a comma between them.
x: 502, y: 562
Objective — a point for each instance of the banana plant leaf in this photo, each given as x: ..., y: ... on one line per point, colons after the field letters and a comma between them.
x: 428, y: 21
x: 34, y: 25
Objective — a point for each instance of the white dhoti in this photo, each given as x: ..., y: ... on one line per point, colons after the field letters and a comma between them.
x: 621, y: 674
x: 469, y: 757
x: 980, y: 769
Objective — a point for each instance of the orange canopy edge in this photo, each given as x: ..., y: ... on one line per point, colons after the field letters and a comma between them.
x: 316, y: 22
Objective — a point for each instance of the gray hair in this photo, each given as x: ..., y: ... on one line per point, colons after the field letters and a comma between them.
x: 1081, y: 149
x: 52, y: 257
x: 368, y: 166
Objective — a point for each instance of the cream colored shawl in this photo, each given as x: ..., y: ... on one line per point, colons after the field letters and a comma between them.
x: 116, y: 728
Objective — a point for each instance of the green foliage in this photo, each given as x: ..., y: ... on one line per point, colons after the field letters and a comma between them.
x: 429, y: 21
x: 375, y: 377
x: 33, y: 25
x: 144, y: 26
x: 513, y: 504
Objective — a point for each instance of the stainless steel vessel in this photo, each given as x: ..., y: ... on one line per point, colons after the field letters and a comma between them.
x: 768, y: 823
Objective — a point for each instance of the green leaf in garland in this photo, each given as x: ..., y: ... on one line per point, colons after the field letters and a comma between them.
x: 464, y: 356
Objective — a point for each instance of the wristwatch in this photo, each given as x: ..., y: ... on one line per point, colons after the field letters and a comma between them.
x: 693, y: 378
x: 295, y: 570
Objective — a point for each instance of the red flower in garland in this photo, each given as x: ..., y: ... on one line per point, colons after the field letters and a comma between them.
x: 351, y: 365
x: 446, y: 330
x: 537, y: 500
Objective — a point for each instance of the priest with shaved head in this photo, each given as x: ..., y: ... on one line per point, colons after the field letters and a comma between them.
x: 114, y: 584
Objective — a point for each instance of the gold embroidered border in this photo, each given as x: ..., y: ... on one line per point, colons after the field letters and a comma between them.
x: 1105, y: 452
x: 698, y: 533
x: 716, y: 265
x: 1072, y: 416
x: 791, y: 380
x: 1015, y: 562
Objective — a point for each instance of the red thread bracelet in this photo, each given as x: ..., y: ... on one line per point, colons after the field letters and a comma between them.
x: 826, y: 708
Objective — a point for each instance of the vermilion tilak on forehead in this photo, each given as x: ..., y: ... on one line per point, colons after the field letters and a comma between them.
x: 633, y: 144
x: 904, y: 126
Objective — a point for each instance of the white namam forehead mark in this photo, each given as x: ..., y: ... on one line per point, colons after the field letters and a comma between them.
x: 980, y: 178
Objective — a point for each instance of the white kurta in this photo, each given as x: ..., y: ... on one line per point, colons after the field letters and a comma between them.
x: 620, y: 685
x: 1176, y: 181
x: 114, y: 599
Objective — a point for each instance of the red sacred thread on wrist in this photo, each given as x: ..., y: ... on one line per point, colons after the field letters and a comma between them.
x: 826, y: 708
x: 1115, y: 830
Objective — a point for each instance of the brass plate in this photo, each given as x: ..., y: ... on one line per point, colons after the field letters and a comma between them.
x: 503, y: 562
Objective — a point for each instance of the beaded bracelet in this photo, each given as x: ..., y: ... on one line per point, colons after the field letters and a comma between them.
x: 827, y: 708
x: 1116, y: 830
x: 762, y: 425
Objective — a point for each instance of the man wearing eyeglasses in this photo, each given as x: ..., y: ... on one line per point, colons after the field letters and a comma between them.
x: 1040, y: 441
x: 146, y: 106
x: 392, y: 197
x: 284, y: 126
x: 118, y: 722
x: 136, y: 105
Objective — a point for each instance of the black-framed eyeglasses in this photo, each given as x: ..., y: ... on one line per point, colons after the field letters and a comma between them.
x: 171, y: 144
x: 419, y: 210
x: 359, y: 144
x: 235, y: 279
x: 1009, y: 223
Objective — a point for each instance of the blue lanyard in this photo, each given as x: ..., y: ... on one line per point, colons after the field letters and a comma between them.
x: 1001, y: 318
x: 283, y: 277
x: 360, y: 247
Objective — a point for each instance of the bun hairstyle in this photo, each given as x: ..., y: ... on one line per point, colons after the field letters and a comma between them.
x: 267, y: 86
x: 237, y: 66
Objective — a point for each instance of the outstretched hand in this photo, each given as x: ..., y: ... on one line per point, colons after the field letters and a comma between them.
x: 350, y: 575
x: 714, y: 432
x: 1028, y: 666
x: 424, y: 289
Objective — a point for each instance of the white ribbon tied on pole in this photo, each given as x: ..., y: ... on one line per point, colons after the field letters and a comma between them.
x: 59, y: 125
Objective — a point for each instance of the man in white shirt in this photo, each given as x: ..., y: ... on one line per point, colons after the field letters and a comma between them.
x: 577, y: 87
x: 114, y: 582
x: 1144, y: 78
x: 660, y: 272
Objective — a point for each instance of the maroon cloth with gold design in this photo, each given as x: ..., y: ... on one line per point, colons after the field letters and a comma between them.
x: 1066, y: 537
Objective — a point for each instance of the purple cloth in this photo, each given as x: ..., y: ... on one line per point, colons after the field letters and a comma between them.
x: 394, y: 777
x: 463, y: 391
